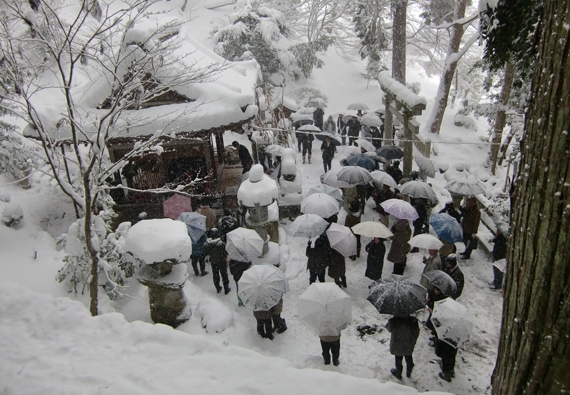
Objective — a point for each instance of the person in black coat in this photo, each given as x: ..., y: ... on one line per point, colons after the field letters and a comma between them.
x: 353, y: 126
x: 328, y: 148
x: 456, y: 274
x: 215, y: 252
x: 404, y: 334
x: 394, y: 171
x: 236, y: 269
x: 318, y: 258
x: 499, y: 252
x: 318, y: 116
x: 450, y: 209
x: 244, y: 156
x: 375, y: 259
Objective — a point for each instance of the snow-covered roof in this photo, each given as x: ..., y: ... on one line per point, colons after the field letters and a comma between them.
x: 228, y: 97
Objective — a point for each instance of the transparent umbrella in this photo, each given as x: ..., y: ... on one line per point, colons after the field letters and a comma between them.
x: 354, y: 175
x: 307, y: 225
x: 325, y: 309
x: 449, y: 321
x: 320, y: 204
x: 397, y: 295
x: 331, y: 178
x: 316, y: 102
x: 425, y: 165
x: 357, y: 106
x: 262, y: 286
x: 381, y: 178
x: 371, y: 120
x: 426, y: 241
x: 442, y: 280
x: 367, y: 145
x: 331, y: 191
x: 465, y: 186
x: 372, y: 229
x: 419, y: 189
x: 342, y: 239
x: 195, y: 224
x: 244, y: 244
x: 309, y: 128
x: 400, y: 209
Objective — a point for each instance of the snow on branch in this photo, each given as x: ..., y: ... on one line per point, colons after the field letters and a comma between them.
x: 402, y: 92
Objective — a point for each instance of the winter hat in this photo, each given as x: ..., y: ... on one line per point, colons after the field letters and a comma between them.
x: 214, y: 233
x: 451, y: 258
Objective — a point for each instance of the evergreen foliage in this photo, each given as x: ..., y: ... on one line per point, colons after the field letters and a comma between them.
x: 370, y: 24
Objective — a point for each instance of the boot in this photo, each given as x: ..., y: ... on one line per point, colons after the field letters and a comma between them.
x: 303, y: 159
x: 336, y: 362
x: 279, y: 323
x: 309, y: 158
x: 409, y: 369
x: 227, y: 290
x: 396, y: 373
x: 327, y: 358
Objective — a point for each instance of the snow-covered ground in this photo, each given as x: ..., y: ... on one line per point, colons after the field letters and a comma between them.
x: 51, y: 345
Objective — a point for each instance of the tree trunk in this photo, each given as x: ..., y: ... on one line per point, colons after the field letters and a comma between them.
x: 93, y: 253
x: 534, y: 348
x: 440, y: 103
x: 501, y: 117
x: 399, y: 41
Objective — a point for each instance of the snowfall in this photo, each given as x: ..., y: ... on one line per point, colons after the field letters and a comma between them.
x: 50, y: 344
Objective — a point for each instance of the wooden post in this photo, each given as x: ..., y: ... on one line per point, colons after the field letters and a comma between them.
x: 388, y: 121
x: 408, y: 146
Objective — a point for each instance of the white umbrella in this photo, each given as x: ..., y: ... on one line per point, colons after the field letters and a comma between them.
x: 357, y: 106
x: 465, y: 186
x: 262, y: 286
x: 419, y: 189
x: 425, y: 165
x: 371, y: 120
x: 325, y: 309
x: 320, y: 204
x: 331, y: 178
x: 367, y: 145
x: 316, y: 102
x: 450, y: 323
x: 383, y: 178
x: 274, y: 149
x: 342, y: 239
x: 372, y: 229
x: 400, y: 209
x: 426, y: 241
x: 307, y: 225
x: 354, y: 175
x: 309, y: 128
x: 243, y: 244
x: 331, y: 191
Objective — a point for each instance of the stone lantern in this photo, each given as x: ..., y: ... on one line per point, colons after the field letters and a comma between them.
x: 159, y: 246
x: 256, y: 194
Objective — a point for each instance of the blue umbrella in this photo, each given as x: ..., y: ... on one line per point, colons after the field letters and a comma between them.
x: 446, y: 227
x: 195, y: 224
x: 361, y: 161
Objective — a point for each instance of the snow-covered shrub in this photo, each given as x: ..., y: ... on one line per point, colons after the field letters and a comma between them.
x: 115, y: 264
x: 15, y: 157
x: 12, y: 214
x: 500, y: 206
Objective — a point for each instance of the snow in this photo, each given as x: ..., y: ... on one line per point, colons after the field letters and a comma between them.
x: 258, y: 189
x: 157, y: 240
x: 50, y: 344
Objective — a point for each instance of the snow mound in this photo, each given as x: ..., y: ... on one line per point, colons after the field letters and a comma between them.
x: 156, y: 240
x: 216, y: 316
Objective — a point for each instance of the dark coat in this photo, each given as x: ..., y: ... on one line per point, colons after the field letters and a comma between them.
x: 245, y: 157
x: 395, y: 173
x: 457, y: 275
x: 341, y: 126
x: 337, y: 264
x: 405, y: 332
x: 451, y: 211
x: 328, y: 150
x: 198, y: 247
x: 400, y: 247
x: 237, y: 268
x: 422, y: 217
x: 471, y: 216
x: 215, y: 249
x: 375, y: 259
x: 318, y: 116
x: 318, y: 255
x: 353, y: 127
x: 500, y: 247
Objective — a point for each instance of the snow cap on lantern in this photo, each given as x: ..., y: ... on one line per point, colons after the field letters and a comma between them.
x: 258, y: 190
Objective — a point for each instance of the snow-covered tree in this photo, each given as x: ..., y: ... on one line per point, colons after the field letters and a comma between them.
x: 61, y: 50
x: 371, y: 21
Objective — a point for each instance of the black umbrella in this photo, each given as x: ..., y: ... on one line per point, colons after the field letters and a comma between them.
x: 323, y: 136
x: 390, y: 152
x: 397, y: 295
x: 442, y: 280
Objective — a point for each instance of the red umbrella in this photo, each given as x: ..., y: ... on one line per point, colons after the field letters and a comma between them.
x: 175, y: 205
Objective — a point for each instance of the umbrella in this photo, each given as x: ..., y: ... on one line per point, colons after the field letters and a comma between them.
x: 307, y: 225
x: 371, y: 120
x: 442, y: 280
x: 195, y: 224
x: 426, y: 241
x: 323, y: 136
x: 262, y: 286
x: 331, y: 178
x: 400, y: 209
x: 397, y: 295
x: 309, y: 128
x: 374, y: 156
x: 320, y: 204
x: 331, y: 191
x: 465, y: 186
x: 446, y: 227
x: 325, y: 309
x: 390, y: 152
x: 274, y: 149
x: 367, y: 145
x: 357, y: 106
x: 354, y: 175
x: 425, y: 165
x: 316, y: 102
x: 360, y: 160
x: 342, y: 239
x: 176, y: 205
x: 419, y: 189
x: 381, y: 178
x: 301, y: 116
x: 449, y: 321
x: 243, y: 244
x: 372, y: 229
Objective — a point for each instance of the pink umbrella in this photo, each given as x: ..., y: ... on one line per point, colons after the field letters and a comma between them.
x: 176, y: 205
